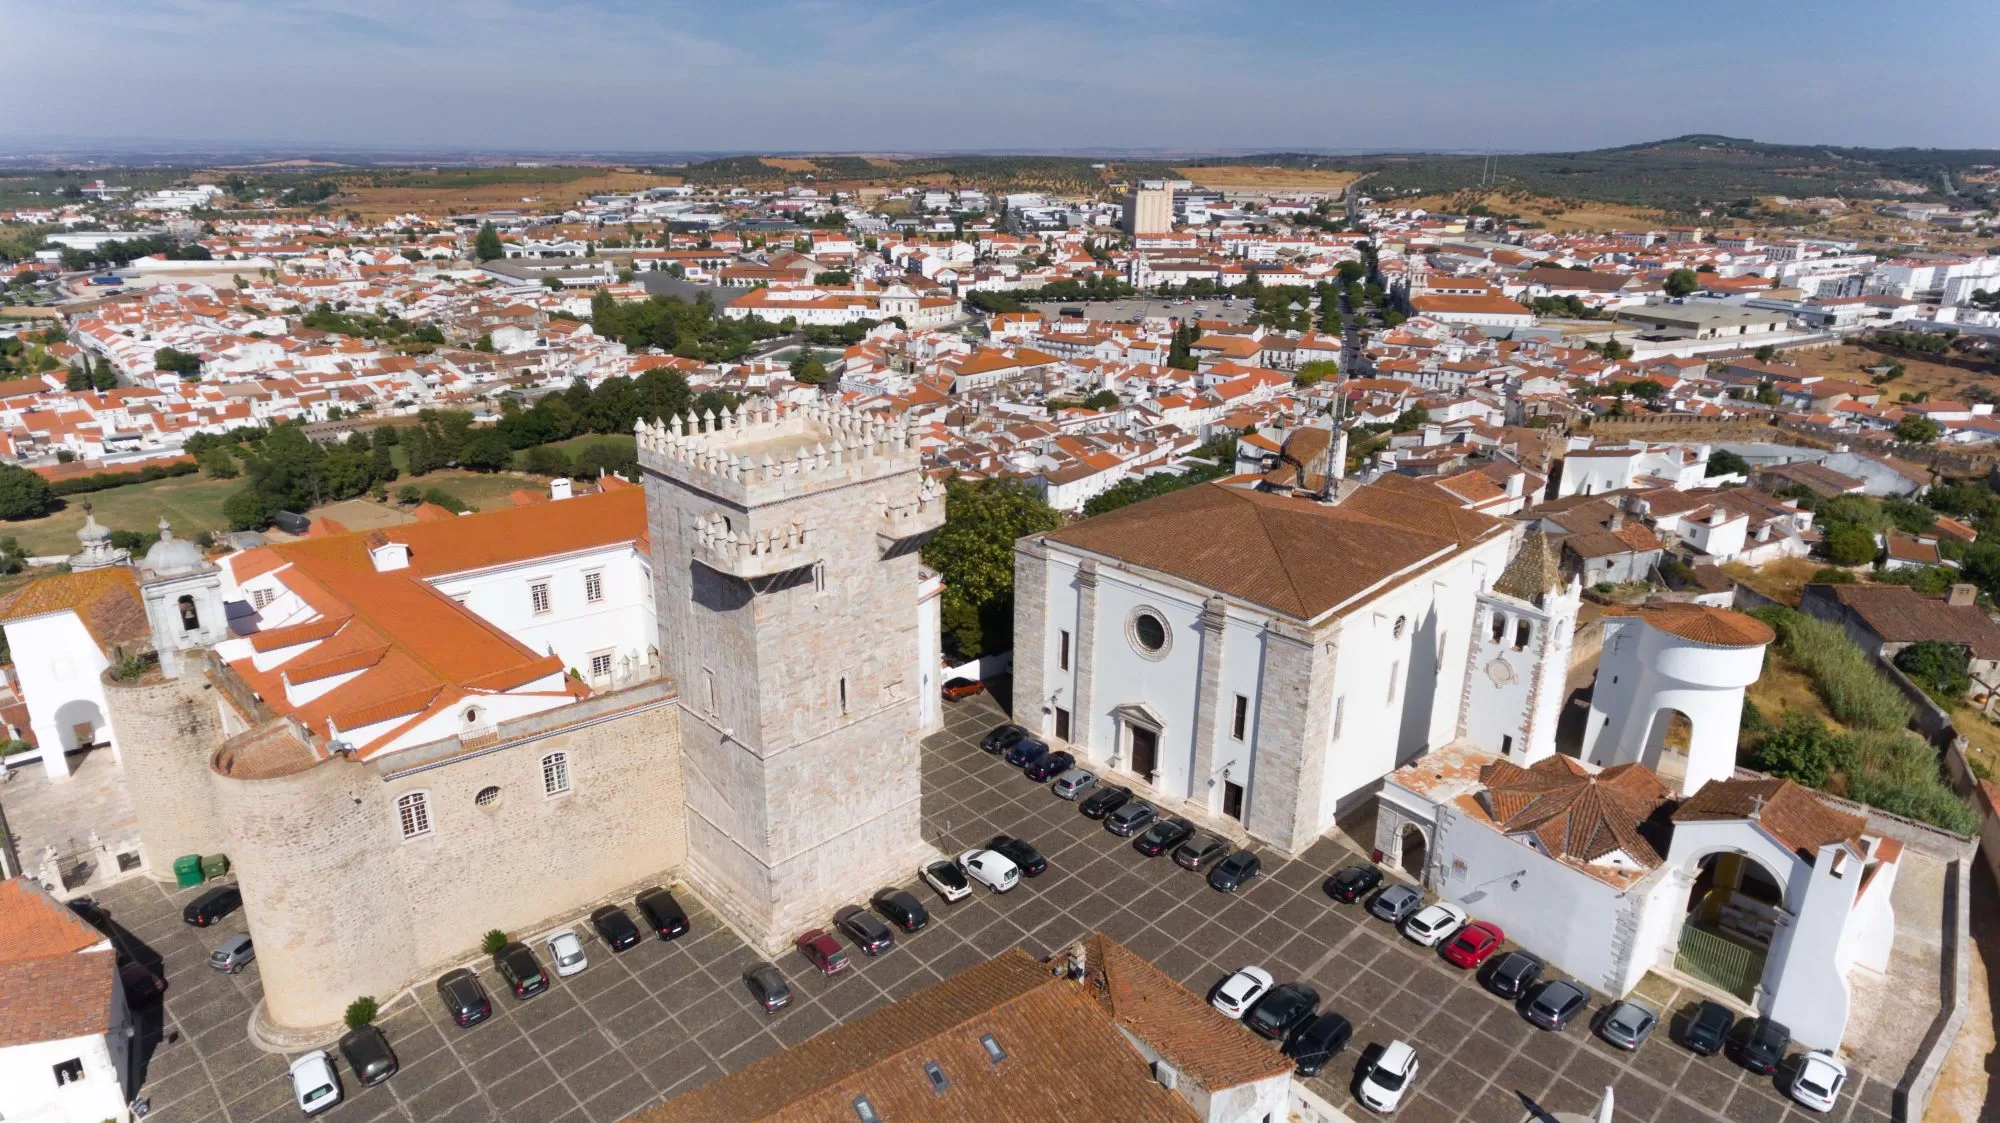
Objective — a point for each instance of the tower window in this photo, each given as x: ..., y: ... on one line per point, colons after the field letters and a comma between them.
x: 1506, y: 745
x: 555, y: 774
x: 261, y: 599
x: 1522, y: 632
x: 1240, y: 722
x: 1062, y: 650
x: 413, y: 811
x: 190, y: 619
x: 1395, y: 677
x: 843, y: 694
x: 600, y: 666
x: 1499, y: 627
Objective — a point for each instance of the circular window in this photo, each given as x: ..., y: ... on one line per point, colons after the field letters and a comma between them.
x: 1401, y: 623
x: 1146, y: 629
x: 487, y: 797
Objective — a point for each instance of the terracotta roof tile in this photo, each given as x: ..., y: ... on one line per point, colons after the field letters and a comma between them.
x: 1793, y: 815
x: 106, y: 600
x: 51, y: 986
x: 1717, y: 627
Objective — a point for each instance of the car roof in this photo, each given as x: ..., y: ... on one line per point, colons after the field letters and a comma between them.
x: 315, y: 1059
x: 1397, y: 1056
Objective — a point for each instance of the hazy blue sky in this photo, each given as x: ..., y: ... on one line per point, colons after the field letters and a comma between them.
x: 881, y: 75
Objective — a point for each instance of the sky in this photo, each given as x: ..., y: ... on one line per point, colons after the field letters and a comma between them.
x: 889, y: 76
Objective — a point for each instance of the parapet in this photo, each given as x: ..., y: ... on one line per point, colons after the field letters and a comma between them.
x: 763, y: 451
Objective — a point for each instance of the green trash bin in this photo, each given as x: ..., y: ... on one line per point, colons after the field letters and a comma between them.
x: 214, y: 866
x: 187, y: 871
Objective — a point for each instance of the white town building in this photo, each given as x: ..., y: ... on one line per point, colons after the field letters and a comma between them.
x: 65, y: 1033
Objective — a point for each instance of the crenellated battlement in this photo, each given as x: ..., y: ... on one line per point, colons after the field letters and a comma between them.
x: 762, y: 450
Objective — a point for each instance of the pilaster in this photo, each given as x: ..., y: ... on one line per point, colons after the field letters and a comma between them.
x: 1209, y: 711
x: 1083, y: 723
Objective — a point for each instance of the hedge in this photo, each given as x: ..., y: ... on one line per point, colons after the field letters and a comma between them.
x: 101, y: 481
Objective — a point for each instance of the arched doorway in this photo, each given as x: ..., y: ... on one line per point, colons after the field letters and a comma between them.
x: 1734, y: 906
x: 1415, y: 852
x: 1667, y: 744
x: 81, y: 725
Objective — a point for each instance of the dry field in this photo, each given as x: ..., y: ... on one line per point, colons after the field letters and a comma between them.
x: 448, y: 198
x: 1235, y: 177
x: 1556, y: 214
x: 1850, y: 363
x: 787, y: 164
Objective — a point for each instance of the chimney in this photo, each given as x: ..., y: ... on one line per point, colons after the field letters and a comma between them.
x: 1962, y: 595
x: 559, y: 488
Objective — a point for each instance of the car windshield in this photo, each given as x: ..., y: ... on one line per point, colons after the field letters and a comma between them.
x: 947, y: 873
x: 1812, y: 1086
x: 1387, y: 1079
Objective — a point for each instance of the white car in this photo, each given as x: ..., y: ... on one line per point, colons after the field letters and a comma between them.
x: 948, y: 880
x: 567, y: 951
x: 993, y: 870
x: 1388, y: 1077
x: 1431, y: 925
x: 1819, y: 1080
x: 1240, y: 990
x: 314, y: 1082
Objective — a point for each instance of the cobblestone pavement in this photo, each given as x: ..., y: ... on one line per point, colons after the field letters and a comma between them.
x: 666, y: 1017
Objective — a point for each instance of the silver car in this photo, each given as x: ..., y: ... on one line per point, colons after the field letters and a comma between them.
x: 234, y: 955
x: 1073, y: 783
x: 1627, y: 1023
x: 1396, y: 903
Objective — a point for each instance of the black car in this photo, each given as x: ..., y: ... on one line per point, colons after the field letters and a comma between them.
x: 1283, y: 1009
x: 1200, y: 851
x: 614, y: 927
x: 1017, y: 851
x: 1001, y: 738
x: 368, y: 1054
x: 1353, y: 883
x: 1104, y: 801
x: 901, y: 909
x: 1514, y: 974
x: 1049, y: 767
x: 1163, y: 836
x: 464, y: 997
x: 1317, y: 1041
x: 1761, y: 1047
x: 769, y: 986
x: 662, y: 912
x: 1025, y: 752
x: 521, y: 969
x: 212, y: 906
x: 1709, y: 1029
x: 1555, y: 1003
x: 865, y: 929
x: 1231, y: 873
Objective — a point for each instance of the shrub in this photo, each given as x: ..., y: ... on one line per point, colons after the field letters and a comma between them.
x: 409, y: 493
x: 1846, y: 680
x: 543, y: 460
x: 1798, y: 749
x: 1939, y: 668
x: 1898, y: 772
x: 360, y: 1012
x: 1832, y: 576
x: 447, y: 500
x: 1850, y: 544
x: 493, y: 941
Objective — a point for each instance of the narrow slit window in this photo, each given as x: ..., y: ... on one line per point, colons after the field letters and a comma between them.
x: 1522, y: 631
x: 1239, y: 724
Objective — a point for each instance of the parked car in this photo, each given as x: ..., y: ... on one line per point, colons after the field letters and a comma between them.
x: 212, y: 906
x: 1430, y: 926
x: 1352, y: 883
x: 960, y: 688
x: 614, y: 928
x: 1317, y: 1042
x: 1025, y: 752
x: 464, y: 997
x: 1708, y: 1030
x: 1555, y: 1003
x: 1052, y: 764
x: 767, y: 984
x: 233, y: 954
x: 1514, y: 974
x: 567, y: 952
x: 1760, y: 1045
x: 1130, y: 817
x: 1025, y: 857
x: 663, y: 914
x: 823, y: 951
x: 314, y: 1084
x: 865, y: 929
x: 992, y: 870
x: 1240, y: 991
x: 1395, y: 903
x: 1163, y: 835
x: 1282, y: 1009
x: 1102, y: 802
x: 1200, y: 851
x: 1388, y: 1076
x: 1001, y: 738
x: 948, y: 880
x: 517, y: 965
x: 1073, y: 783
x: 901, y: 908
x: 1234, y: 872
x: 1628, y: 1023
x: 1818, y: 1082
x: 367, y: 1051
x: 1470, y: 945
x: 143, y: 987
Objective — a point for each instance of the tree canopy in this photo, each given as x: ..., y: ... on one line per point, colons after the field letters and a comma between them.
x: 974, y: 553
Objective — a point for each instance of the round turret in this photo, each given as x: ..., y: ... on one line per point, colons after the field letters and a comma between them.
x: 171, y: 556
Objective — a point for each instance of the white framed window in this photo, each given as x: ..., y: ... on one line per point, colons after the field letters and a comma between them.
x: 413, y: 813
x: 538, y: 597
x: 600, y: 667
x: 593, y: 587
x: 260, y: 599
x: 555, y: 774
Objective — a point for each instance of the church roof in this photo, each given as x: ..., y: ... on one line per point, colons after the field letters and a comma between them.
x: 1793, y: 815
x: 1573, y: 812
x: 1535, y: 569
x: 1716, y: 627
x: 106, y: 600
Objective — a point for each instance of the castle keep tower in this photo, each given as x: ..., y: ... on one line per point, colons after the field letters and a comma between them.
x: 1519, y: 656
x: 786, y: 584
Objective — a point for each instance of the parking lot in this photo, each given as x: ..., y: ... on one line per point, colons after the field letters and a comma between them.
x: 665, y: 1017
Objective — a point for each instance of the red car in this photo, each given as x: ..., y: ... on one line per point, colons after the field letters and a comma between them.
x: 958, y: 689
x: 1473, y: 943
x: 824, y: 951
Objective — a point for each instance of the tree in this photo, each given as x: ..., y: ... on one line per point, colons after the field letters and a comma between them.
x: 218, y: 463
x: 974, y: 553
x: 486, y: 246
x: 809, y: 370
x: 1102, y: 400
x: 1726, y: 463
x: 1681, y: 282
x: 23, y: 494
x: 360, y: 1012
x: 1849, y: 544
x: 1646, y: 390
x: 485, y: 450
x: 381, y: 461
x: 177, y: 361
x: 1938, y: 667
x: 1918, y: 430
x: 1317, y: 371
x: 1799, y: 749
x: 547, y: 460
x: 248, y: 509
x: 1765, y: 353
x: 79, y: 379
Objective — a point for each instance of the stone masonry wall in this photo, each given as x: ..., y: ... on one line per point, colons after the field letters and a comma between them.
x: 166, y: 730
x: 1031, y: 640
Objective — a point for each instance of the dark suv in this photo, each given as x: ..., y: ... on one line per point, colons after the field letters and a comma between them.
x: 1709, y: 1028
x: 1104, y: 801
x: 1514, y: 974
x: 1001, y: 738
x: 614, y: 927
x: 1761, y: 1047
x: 212, y: 906
x: 1019, y: 852
x: 368, y: 1054
x: 865, y: 929
x: 464, y: 998
x: 662, y: 912
x: 1283, y: 1009
x: 1353, y: 883
x: 1163, y: 836
x: 522, y: 971
x: 1317, y: 1041
x: 1025, y: 752
x: 1130, y: 818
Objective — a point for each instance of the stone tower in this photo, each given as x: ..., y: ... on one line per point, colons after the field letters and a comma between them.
x: 1521, y: 635
x: 784, y: 555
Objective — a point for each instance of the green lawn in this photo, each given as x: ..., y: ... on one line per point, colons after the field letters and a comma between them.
x: 575, y: 445
x: 192, y: 503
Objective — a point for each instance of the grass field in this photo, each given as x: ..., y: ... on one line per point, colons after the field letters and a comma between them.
x: 191, y: 503
x: 1779, y: 580
x: 1233, y: 177
x: 1783, y: 686
x: 575, y: 445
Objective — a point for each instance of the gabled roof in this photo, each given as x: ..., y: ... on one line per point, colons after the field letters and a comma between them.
x: 52, y: 984
x: 1793, y: 815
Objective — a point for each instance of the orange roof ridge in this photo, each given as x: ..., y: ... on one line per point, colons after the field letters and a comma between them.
x: 291, y: 635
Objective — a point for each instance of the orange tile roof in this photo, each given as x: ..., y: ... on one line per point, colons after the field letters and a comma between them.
x: 106, y: 600
x: 1717, y: 627
x: 54, y: 987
